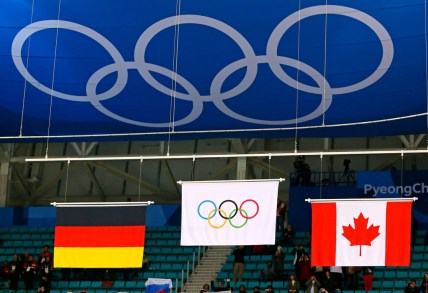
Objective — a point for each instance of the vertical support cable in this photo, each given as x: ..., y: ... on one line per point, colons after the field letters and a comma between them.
x: 53, y: 80
x: 139, y: 179
x: 297, y: 79
x: 402, y: 172
x: 24, y: 95
x: 321, y: 173
x: 66, y: 181
x: 426, y: 61
x: 325, y: 63
x: 173, y: 97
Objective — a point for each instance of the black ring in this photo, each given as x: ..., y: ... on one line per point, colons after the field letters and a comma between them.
x: 236, y: 209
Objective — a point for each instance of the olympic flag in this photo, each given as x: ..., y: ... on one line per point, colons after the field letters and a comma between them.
x: 229, y: 213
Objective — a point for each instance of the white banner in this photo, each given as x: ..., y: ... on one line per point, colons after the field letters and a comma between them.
x: 229, y: 213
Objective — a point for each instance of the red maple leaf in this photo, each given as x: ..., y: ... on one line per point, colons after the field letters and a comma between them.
x: 361, y: 235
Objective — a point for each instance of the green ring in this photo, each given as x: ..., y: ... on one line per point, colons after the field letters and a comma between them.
x: 230, y: 220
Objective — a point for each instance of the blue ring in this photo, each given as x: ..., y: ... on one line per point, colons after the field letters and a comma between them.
x: 199, y: 207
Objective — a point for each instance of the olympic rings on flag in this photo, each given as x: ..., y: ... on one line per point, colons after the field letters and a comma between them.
x: 228, y: 217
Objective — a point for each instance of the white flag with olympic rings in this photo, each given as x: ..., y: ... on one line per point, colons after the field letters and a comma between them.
x: 229, y: 213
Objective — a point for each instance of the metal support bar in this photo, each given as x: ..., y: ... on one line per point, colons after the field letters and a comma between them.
x: 228, y: 155
x: 104, y: 204
x: 361, y: 199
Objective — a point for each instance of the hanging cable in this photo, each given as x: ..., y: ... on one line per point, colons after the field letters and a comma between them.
x: 24, y: 96
x: 402, y: 172
x: 53, y: 80
x: 325, y: 62
x: 297, y: 79
x: 426, y: 60
x: 173, y: 97
x: 66, y: 181
x: 321, y: 175
x: 139, y: 180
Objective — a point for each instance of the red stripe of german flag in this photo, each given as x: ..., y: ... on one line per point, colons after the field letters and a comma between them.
x: 99, y: 237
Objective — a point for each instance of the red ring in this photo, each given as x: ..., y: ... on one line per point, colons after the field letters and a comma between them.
x: 240, y: 209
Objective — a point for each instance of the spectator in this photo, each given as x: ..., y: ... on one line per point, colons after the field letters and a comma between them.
x: 319, y: 273
x: 220, y: 286
x: 5, y: 274
x: 242, y: 289
x: 298, y: 251
x: 268, y: 273
x: 256, y: 289
x: 329, y: 283
x: 293, y: 285
x: 44, y: 254
x: 258, y: 249
x: 368, y: 278
x: 336, y: 274
x: 287, y: 236
x: 205, y: 288
x: 24, y: 256
x: 239, y: 264
x: 44, y: 285
x: 269, y: 289
x: 30, y: 271
x: 304, y: 269
x: 15, y: 272
x: 312, y: 285
x: 47, y: 267
x: 281, y: 209
x: 411, y: 287
x: 351, y: 277
x: 146, y: 262
x: 278, y: 263
x: 424, y: 284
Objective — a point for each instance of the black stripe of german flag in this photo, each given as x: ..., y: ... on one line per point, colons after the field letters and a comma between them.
x: 99, y: 237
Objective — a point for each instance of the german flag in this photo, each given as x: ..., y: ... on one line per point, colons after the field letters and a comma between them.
x: 99, y: 237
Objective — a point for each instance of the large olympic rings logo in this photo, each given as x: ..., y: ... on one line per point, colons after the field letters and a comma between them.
x: 216, y: 96
x: 228, y: 216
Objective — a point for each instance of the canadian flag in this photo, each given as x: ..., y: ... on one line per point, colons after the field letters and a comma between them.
x: 361, y: 233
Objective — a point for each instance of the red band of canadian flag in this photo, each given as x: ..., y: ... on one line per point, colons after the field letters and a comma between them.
x: 361, y: 233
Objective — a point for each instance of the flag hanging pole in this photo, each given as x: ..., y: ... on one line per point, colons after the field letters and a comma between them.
x: 232, y: 181
x: 101, y: 204
x: 309, y: 200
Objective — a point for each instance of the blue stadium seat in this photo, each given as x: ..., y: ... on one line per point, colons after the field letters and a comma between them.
x: 414, y: 274
x: 418, y: 248
x: 119, y: 284
x: 417, y: 256
x: 377, y: 274
x: 177, y: 266
x: 172, y: 275
x: 85, y: 284
x: 416, y: 265
x: 277, y: 284
x: 389, y: 274
x: 400, y: 284
x: 251, y: 285
x: 130, y: 284
x: 96, y: 284
x: 74, y: 284
x: 251, y: 266
x: 377, y: 284
x: 387, y: 284
x: 62, y: 284
x: 403, y: 274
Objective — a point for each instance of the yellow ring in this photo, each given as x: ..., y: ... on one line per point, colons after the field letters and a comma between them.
x: 220, y: 211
